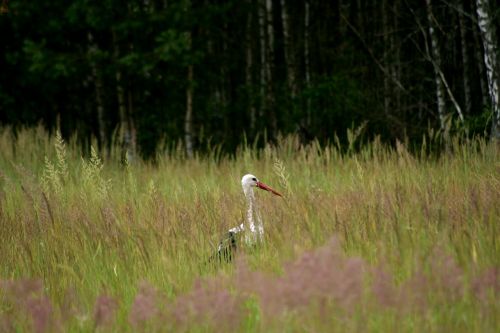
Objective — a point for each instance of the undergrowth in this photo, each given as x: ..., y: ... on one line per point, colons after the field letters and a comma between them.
x: 369, y: 239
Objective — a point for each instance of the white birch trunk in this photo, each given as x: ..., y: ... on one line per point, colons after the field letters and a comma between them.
x: 387, y: 87
x: 249, y: 70
x: 287, y: 46
x: 436, y: 60
x: 131, y: 123
x: 263, y: 58
x: 97, y: 78
x: 490, y: 44
x: 479, y: 60
x: 188, y: 121
x: 125, y: 131
x: 396, y: 63
x: 465, y: 60
x: 307, y: 60
x: 270, y: 67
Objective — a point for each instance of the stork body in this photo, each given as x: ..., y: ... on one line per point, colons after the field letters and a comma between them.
x: 252, y: 228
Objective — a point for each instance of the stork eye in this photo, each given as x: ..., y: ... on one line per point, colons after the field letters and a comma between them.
x: 254, y: 179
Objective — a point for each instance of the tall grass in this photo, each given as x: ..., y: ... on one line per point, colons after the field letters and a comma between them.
x: 374, y: 239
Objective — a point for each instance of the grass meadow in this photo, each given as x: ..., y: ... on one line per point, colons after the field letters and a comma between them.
x: 373, y: 239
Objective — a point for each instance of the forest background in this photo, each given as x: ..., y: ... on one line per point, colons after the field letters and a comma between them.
x: 145, y: 73
x: 375, y: 119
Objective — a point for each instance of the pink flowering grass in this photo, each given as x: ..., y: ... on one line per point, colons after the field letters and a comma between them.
x: 378, y: 239
x: 104, y: 311
x: 323, y: 283
x: 28, y: 302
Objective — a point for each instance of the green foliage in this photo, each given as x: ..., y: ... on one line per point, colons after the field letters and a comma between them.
x: 66, y: 62
x: 171, y: 45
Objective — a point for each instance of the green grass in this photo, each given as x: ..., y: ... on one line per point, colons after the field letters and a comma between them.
x: 143, y: 233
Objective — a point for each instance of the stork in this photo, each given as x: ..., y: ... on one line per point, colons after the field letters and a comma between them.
x: 252, y: 228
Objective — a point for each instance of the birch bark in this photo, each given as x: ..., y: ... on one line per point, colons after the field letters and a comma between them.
x: 270, y: 67
x: 490, y: 45
x: 436, y: 55
x: 97, y: 78
x: 307, y: 68
x: 188, y: 118
x: 126, y: 123
x: 263, y: 58
x: 289, y: 54
x: 465, y: 59
x: 188, y: 121
x: 478, y: 59
x: 249, y: 69
x: 385, y: 36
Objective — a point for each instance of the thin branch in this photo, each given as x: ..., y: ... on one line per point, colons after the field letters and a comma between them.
x: 370, y: 52
x: 460, y: 10
x: 436, y: 66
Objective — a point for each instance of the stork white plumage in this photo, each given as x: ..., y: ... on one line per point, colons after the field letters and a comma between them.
x: 252, y: 228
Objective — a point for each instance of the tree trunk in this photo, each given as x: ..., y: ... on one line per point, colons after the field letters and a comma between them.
x: 490, y: 45
x: 307, y: 69
x: 249, y: 70
x: 188, y: 119
x: 263, y: 58
x: 396, y: 63
x: 478, y: 57
x: 125, y: 128
x: 465, y: 60
x: 385, y: 36
x: 436, y: 60
x: 270, y: 68
x: 289, y: 53
x: 188, y: 122
x: 131, y: 122
x: 97, y: 78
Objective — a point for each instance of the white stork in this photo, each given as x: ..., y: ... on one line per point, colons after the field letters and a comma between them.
x: 252, y: 228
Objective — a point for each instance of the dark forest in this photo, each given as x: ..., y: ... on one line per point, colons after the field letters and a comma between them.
x: 203, y: 72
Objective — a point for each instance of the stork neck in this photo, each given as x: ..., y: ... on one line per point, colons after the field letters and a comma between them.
x: 249, y: 195
x: 255, y: 228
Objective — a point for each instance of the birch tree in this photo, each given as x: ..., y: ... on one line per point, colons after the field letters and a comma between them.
x: 126, y: 127
x: 288, y: 50
x: 436, y: 60
x: 490, y: 44
x: 98, y: 85
x: 465, y: 59
x: 188, y: 120
x: 270, y: 67
x: 479, y: 60
x: 307, y: 68
x: 249, y: 67
x: 385, y: 36
x: 263, y: 55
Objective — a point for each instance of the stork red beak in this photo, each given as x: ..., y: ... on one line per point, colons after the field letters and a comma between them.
x: 267, y: 188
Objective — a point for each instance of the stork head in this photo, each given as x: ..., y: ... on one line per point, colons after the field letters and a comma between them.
x: 248, y: 181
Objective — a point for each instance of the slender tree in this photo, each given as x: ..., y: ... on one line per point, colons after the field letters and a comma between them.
x: 249, y: 68
x: 307, y: 67
x: 490, y: 44
x: 263, y: 56
x: 479, y: 60
x: 98, y: 84
x: 465, y: 59
x: 270, y: 67
x: 188, y: 120
x: 386, y: 35
x: 288, y: 50
x: 436, y: 61
x: 126, y: 127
